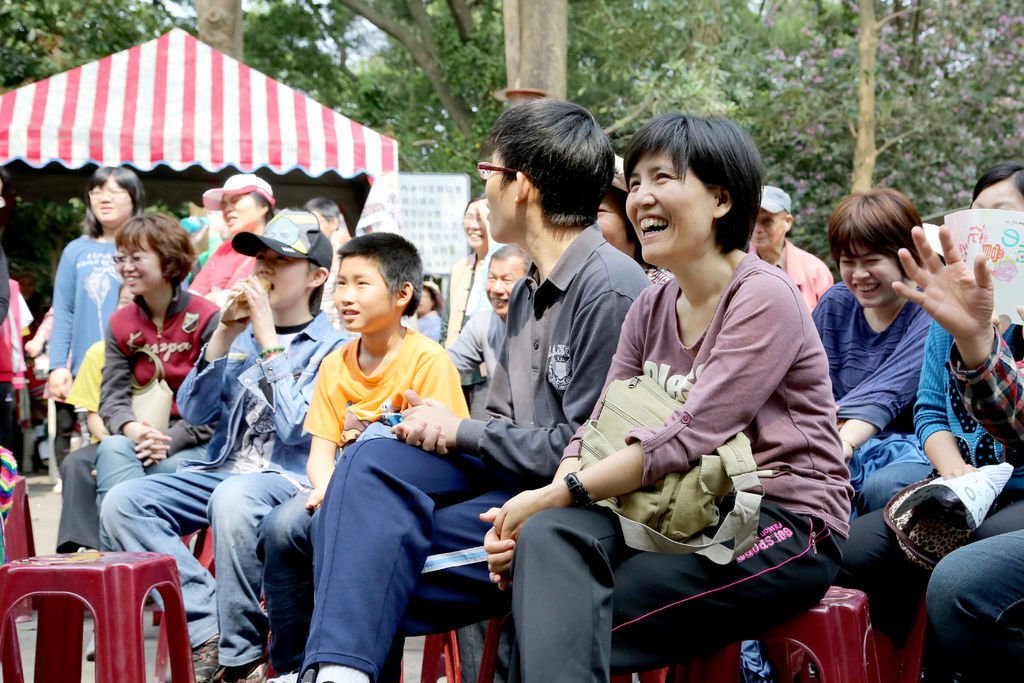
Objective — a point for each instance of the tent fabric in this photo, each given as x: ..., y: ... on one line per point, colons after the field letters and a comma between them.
x: 178, y: 102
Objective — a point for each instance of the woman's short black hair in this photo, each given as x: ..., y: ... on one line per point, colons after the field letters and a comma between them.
x: 126, y: 180
x: 997, y: 174
x: 564, y: 152
x: 721, y: 154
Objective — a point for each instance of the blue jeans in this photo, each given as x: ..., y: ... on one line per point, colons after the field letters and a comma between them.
x: 882, y: 466
x: 976, y: 607
x: 285, y: 545
x: 152, y: 513
x: 116, y: 462
x: 884, y: 483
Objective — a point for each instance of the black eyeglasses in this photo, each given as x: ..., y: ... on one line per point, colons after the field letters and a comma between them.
x: 486, y: 170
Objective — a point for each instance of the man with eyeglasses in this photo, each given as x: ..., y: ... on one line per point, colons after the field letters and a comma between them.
x: 398, y: 548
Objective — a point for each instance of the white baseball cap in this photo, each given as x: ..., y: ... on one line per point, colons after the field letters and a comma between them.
x: 775, y: 200
x: 242, y: 183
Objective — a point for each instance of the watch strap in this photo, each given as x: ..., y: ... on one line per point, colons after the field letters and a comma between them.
x: 580, y: 496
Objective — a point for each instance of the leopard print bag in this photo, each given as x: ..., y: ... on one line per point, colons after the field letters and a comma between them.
x: 928, y: 532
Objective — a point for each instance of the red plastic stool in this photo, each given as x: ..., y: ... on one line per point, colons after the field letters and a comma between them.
x: 489, y: 655
x: 441, y: 658
x: 114, y: 587
x: 903, y: 665
x: 10, y: 653
x: 203, y: 551
x: 18, y: 537
x: 834, y: 636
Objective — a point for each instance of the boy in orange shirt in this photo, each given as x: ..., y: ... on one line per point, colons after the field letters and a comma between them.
x: 359, y: 393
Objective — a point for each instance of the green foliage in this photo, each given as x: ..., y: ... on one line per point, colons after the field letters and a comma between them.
x: 347, y: 64
x: 38, y: 233
x: 39, y: 38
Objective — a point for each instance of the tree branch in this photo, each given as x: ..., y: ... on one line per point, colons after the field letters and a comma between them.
x: 895, y: 15
x: 422, y: 20
x: 393, y: 28
x: 632, y: 115
x: 424, y: 54
x: 887, y: 144
x: 463, y: 19
x: 327, y: 32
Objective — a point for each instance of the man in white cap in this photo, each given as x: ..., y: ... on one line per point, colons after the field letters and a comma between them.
x: 774, y: 221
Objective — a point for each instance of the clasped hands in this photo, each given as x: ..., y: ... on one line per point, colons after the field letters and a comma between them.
x: 507, y: 521
x: 151, y: 445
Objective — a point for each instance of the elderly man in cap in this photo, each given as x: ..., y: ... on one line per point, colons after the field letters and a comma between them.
x: 774, y: 221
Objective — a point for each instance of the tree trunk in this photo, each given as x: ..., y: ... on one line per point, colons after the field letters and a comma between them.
x: 536, y: 44
x: 220, y: 25
x: 866, y: 153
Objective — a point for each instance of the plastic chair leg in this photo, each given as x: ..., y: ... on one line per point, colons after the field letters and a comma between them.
x: 60, y: 622
x: 10, y: 652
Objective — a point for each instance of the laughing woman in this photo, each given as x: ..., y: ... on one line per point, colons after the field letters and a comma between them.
x: 874, y: 339
x: 165, y: 324
x: 584, y: 603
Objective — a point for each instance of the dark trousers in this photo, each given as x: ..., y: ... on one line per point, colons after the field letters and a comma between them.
x: 585, y: 604
x: 874, y: 563
x: 388, y: 507
x: 79, y: 516
x: 65, y: 428
x: 285, y: 545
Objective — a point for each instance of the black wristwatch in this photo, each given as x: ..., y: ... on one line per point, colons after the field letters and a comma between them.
x: 580, y: 497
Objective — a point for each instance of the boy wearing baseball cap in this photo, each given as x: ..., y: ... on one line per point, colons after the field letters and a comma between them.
x: 255, y: 380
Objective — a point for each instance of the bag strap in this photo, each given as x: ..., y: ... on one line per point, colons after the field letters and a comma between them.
x: 739, y: 525
x: 158, y: 376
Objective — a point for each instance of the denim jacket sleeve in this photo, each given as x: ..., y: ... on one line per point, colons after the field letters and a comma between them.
x: 199, y: 396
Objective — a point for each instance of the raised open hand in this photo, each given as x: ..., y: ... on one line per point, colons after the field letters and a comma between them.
x: 960, y: 300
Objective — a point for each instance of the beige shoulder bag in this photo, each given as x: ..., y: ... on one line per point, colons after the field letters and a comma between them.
x: 671, y: 515
x: 152, y: 403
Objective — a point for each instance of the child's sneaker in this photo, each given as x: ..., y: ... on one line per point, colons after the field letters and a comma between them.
x: 291, y: 677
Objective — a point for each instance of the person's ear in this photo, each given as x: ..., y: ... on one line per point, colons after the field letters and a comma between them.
x: 404, y: 295
x: 724, y: 201
x: 318, y: 276
x: 789, y: 222
x: 524, y: 187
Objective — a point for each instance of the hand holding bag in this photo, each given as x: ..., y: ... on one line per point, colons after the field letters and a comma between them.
x: 152, y: 403
x: 670, y: 516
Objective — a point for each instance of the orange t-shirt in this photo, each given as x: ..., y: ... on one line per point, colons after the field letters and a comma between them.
x: 345, y: 400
